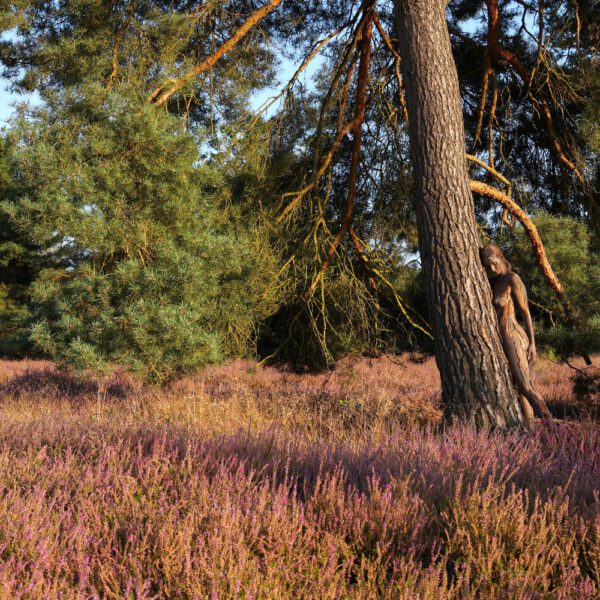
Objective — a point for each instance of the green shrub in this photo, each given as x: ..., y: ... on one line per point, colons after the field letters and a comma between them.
x: 567, y: 242
x: 145, y: 268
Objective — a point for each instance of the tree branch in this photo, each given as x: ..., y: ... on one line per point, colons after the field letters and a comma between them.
x: 484, y: 189
x: 386, y: 39
x: 161, y: 95
x: 357, y: 121
x: 317, y: 47
x: 117, y: 43
x: 499, y: 54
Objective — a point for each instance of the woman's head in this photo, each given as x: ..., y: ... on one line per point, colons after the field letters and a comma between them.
x: 493, y: 260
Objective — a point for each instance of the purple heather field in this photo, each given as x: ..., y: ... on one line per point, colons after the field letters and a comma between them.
x: 253, y: 482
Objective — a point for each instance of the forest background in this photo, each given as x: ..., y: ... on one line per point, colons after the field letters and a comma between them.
x: 153, y: 216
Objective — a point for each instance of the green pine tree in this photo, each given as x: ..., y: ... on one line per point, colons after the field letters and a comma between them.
x: 146, y: 268
x: 20, y: 261
x: 568, y: 245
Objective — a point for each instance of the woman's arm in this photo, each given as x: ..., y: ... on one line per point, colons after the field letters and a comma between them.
x: 519, y: 294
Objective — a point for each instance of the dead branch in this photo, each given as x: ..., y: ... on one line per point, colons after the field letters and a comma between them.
x: 164, y: 91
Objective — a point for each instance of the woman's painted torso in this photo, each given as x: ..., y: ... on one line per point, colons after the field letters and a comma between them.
x: 510, y: 330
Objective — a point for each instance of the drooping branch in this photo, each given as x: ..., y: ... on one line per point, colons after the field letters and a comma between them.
x: 347, y: 53
x: 117, y: 43
x: 298, y: 195
x: 491, y: 119
x: 362, y: 39
x: 360, y: 247
x: 357, y: 121
x: 386, y: 40
x: 359, y: 117
x: 507, y: 202
x: 164, y: 91
x: 342, y: 129
x: 487, y: 70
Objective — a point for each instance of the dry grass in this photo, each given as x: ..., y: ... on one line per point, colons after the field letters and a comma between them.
x: 246, y: 482
x: 362, y: 401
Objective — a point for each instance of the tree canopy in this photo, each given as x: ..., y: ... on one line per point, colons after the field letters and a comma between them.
x: 311, y: 193
x: 144, y: 266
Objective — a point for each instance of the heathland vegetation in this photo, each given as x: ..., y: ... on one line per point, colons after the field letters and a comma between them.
x: 253, y: 482
x: 154, y: 217
x: 233, y: 234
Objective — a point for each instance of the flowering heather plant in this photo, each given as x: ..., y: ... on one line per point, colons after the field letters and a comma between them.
x: 211, y: 489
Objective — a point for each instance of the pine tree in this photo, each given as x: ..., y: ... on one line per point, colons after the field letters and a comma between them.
x: 345, y: 211
x: 20, y: 262
x: 569, y: 246
x: 146, y: 270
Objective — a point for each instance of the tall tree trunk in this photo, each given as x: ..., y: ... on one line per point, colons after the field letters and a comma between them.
x: 476, y: 383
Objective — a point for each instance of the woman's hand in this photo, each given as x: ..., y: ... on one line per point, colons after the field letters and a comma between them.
x: 531, y: 353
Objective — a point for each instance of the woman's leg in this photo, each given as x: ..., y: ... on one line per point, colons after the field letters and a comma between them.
x: 520, y: 373
x: 528, y: 413
x: 534, y: 397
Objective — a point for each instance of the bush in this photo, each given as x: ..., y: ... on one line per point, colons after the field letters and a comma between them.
x: 567, y: 242
x: 145, y: 269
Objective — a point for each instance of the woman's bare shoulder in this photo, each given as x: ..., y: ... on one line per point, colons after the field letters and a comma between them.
x: 514, y: 279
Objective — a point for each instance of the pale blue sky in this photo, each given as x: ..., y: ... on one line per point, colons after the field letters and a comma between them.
x: 7, y: 99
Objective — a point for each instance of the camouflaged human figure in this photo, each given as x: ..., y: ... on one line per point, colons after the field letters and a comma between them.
x: 509, y: 291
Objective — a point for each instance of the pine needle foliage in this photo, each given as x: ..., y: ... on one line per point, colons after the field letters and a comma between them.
x: 146, y: 269
x: 20, y: 261
x: 569, y: 246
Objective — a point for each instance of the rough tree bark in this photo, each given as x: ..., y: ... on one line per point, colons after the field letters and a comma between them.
x: 476, y: 382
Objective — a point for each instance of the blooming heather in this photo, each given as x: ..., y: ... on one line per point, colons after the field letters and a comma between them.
x: 208, y: 491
